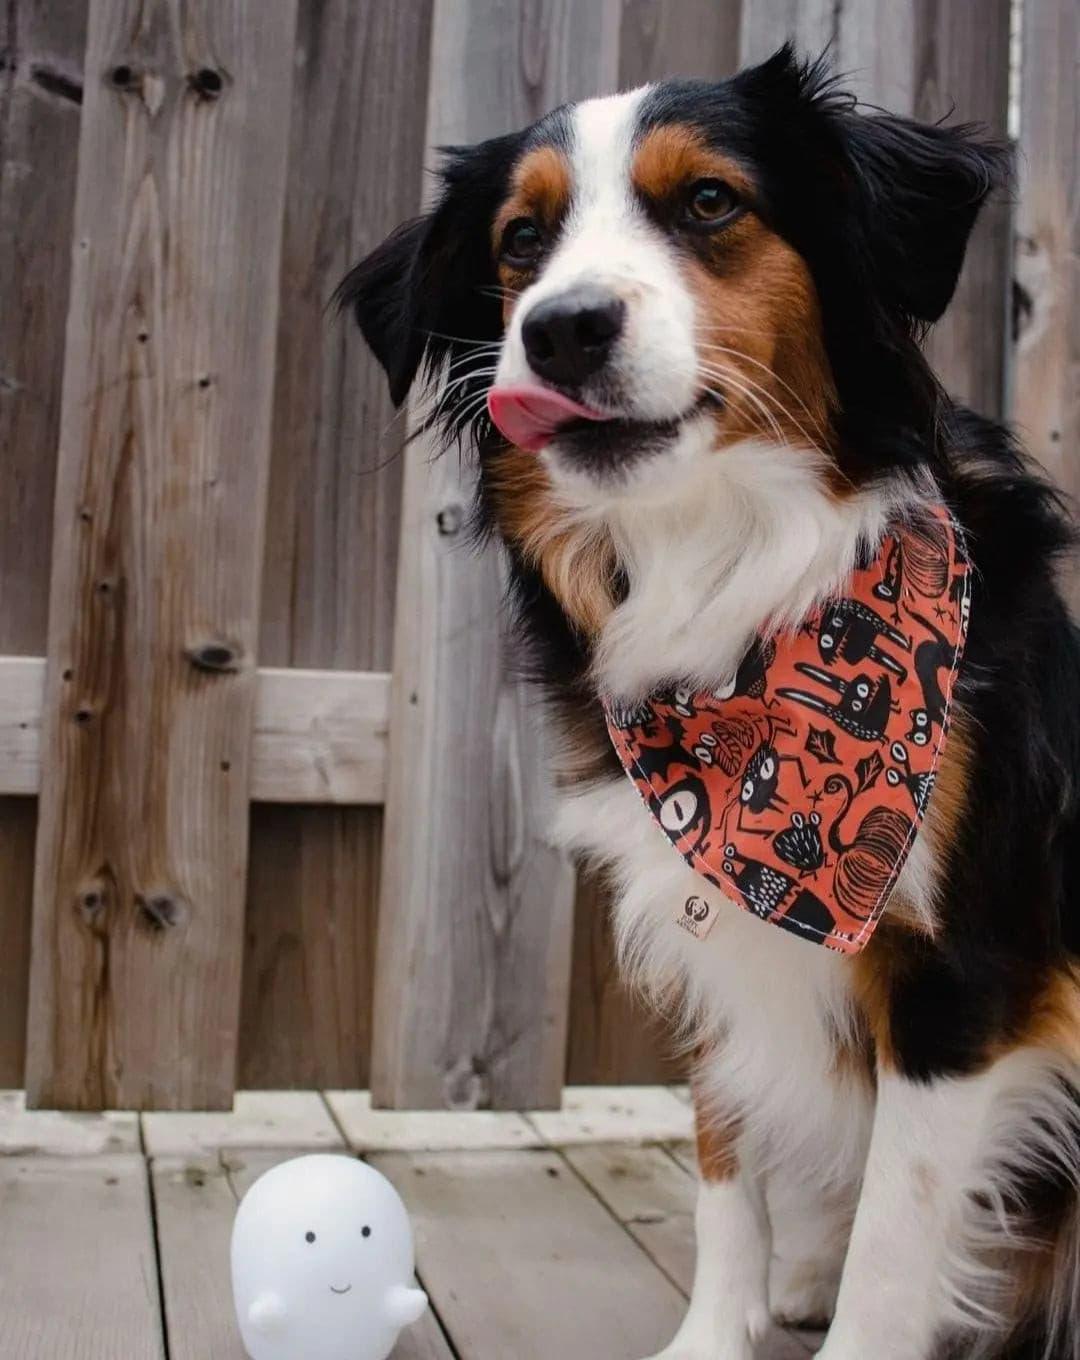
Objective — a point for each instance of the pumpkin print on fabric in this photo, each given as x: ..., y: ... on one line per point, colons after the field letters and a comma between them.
x: 798, y: 790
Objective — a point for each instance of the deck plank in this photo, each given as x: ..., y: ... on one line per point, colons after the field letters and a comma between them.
x: 371, y: 1130
x: 259, y: 1119
x: 652, y: 1194
x: 77, y: 1272
x: 63, y: 1133
x: 520, y: 1259
x: 196, y: 1199
x: 610, y: 1114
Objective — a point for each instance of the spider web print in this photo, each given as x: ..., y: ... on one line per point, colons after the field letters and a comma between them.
x: 798, y: 789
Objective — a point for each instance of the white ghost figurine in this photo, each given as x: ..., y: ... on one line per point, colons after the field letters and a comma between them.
x: 322, y: 1263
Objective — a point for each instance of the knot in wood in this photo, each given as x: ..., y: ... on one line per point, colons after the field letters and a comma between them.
x: 124, y: 77
x: 466, y: 1085
x: 160, y: 911
x: 206, y: 82
x: 215, y: 657
x: 92, y: 902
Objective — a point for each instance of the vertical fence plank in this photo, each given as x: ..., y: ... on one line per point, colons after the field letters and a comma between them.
x: 962, y: 71
x: 41, y: 59
x: 931, y: 59
x: 810, y: 24
x: 158, y: 537
x: 1046, y: 372
x: 613, y: 1037
x: 475, y: 908
x: 661, y: 38
x: 355, y: 169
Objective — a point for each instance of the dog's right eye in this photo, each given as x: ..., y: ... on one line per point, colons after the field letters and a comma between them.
x: 521, y: 242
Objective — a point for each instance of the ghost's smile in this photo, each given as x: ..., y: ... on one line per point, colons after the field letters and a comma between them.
x: 340, y: 1291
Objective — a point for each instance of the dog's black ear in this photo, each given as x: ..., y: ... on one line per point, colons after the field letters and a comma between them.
x: 428, y: 293
x: 918, y: 191
x: 382, y: 293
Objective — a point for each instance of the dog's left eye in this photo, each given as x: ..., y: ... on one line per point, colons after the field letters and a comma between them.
x: 521, y: 242
x: 709, y: 202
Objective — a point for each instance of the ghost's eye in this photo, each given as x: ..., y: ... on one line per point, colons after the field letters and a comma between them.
x: 365, y: 1231
x: 309, y: 1237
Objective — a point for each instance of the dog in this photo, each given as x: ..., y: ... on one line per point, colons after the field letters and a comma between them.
x: 681, y: 328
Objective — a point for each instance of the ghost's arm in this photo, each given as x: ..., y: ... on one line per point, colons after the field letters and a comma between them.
x: 404, y: 1305
x: 267, y: 1312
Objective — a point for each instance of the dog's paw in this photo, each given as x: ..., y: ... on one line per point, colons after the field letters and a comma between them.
x: 802, y: 1295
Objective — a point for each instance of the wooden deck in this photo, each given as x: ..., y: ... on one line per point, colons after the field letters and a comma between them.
x: 562, y: 1235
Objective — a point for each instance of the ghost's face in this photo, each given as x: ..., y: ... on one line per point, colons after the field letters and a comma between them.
x: 328, y: 1238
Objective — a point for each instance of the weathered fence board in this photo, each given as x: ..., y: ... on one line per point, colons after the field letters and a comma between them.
x: 317, y: 736
x: 41, y: 59
x: 612, y: 1036
x: 164, y: 445
x: 177, y: 238
x: 962, y: 71
x: 1046, y: 372
x: 930, y: 59
x: 357, y: 149
x: 660, y: 38
x: 474, y: 933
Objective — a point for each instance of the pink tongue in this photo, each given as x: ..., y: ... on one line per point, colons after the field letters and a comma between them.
x: 529, y: 416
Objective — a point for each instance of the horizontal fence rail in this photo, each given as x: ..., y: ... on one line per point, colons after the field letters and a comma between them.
x: 272, y: 808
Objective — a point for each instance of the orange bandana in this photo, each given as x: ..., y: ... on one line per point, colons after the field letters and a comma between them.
x: 799, y: 788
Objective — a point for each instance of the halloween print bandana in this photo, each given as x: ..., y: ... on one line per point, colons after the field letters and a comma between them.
x: 798, y: 789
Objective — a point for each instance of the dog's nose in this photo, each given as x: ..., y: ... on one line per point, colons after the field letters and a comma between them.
x: 569, y: 337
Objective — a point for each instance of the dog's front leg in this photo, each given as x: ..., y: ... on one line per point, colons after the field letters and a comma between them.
x: 729, y: 1304
x: 922, y: 1153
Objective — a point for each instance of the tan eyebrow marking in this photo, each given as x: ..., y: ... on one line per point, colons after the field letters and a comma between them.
x: 540, y: 188
x: 674, y: 155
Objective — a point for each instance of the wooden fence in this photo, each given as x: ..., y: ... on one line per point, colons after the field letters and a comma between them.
x: 203, y: 497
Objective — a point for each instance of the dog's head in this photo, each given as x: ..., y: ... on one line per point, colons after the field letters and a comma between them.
x: 637, y: 283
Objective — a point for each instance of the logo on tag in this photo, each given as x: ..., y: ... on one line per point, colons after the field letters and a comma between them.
x: 696, y: 916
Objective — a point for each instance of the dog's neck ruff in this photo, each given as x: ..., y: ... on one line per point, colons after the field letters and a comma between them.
x: 799, y: 788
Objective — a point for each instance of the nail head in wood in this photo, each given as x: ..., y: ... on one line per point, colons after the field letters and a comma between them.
x: 449, y: 520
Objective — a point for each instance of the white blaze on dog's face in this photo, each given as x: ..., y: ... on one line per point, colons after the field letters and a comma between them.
x: 640, y: 285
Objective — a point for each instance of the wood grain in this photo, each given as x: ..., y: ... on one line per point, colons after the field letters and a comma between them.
x: 355, y: 170
x: 534, y: 1267
x: 929, y: 59
x: 1046, y: 360
x: 475, y: 923
x: 653, y: 1197
x: 78, y: 1279
x: 164, y: 449
x: 318, y: 736
x: 40, y: 89
x: 962, y: 72
x: 613, y: 1036
x: 811, y: 24
x: 689, y: 38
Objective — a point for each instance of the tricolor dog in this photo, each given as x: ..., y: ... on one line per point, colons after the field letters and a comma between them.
x: 818, y: 692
